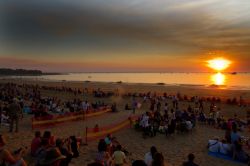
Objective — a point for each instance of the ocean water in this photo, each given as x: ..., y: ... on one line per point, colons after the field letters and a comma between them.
x: 209, y: 80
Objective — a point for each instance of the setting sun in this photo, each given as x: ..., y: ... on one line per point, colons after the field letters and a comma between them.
x: 218, y: 64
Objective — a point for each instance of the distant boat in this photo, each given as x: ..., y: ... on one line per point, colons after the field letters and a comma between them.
x: 234, y: 73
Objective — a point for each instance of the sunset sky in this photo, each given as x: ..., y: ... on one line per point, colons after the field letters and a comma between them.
x: 124, y: 35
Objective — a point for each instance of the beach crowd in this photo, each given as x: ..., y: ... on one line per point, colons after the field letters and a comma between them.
x: 164, y: 116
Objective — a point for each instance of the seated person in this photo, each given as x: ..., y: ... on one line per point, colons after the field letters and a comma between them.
x: 41, y: 152
x: 36, y: 143
x: 48, y: 135
x: 225, y: 148
x: 119, y: 156
x: 53, y: 157
x: 4, y: 119
x: 103, y: 156
x: 7, y: 158
x: 74, y: 146
x: 149, y: 156
x: 190, y: 161
x: 213, y: 145
x: 65, y: 148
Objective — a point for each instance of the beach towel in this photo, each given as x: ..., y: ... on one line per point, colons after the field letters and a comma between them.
x: 224, y: 157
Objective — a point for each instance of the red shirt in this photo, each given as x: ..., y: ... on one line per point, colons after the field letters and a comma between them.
x: 35, y: 144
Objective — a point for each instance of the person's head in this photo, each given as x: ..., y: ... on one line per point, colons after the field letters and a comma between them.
x: 47, y: 134
x: 153, y: 150
x: 53, y: 157
x: 191, y: 157
x: 109, y: 136
x: 2, y: 140
x: 119, y: 147
x: 139, y: 163
x: 37, y: 134
x: 158, y: 160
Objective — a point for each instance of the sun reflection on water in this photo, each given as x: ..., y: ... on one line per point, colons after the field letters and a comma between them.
x: 218, y: 79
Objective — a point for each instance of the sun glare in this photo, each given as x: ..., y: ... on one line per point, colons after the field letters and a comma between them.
x: 218, y: 64
x: 218, y: 79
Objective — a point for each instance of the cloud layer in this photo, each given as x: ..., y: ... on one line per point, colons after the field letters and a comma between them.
x: 86, y: 29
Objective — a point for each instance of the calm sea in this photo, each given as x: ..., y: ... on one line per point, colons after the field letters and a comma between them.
x: 227, y: 81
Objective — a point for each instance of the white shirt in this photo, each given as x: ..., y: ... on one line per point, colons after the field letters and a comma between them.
x: 213, y: 145
x: 148, y: 159
x: 225, y: 148
x: 145, y: 121
x: 189, y: 125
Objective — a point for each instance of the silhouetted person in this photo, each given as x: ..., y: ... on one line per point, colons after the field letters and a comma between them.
x: 190, y: 161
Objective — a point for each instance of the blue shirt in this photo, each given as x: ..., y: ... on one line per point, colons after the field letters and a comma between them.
x: 234, y: 137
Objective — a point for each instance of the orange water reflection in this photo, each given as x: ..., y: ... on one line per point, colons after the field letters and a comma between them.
x: 218, y: 79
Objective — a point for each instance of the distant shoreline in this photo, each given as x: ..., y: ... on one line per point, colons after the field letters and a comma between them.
x: 23, y: 72
x: 43, y: 74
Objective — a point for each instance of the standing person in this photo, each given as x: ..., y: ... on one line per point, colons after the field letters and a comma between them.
x: 15, y: 113
x: 190, y: 161
x: 158, y: 106
x: 134, y: 105
x: 166, y: 108
x: 235, y: 136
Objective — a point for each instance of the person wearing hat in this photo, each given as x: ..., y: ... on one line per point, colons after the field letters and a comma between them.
x: 53, y: 157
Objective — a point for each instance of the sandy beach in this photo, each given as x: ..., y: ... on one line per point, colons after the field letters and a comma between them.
x: 174, y: 148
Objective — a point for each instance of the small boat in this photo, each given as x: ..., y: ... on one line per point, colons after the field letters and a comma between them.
x: 234, y: 73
